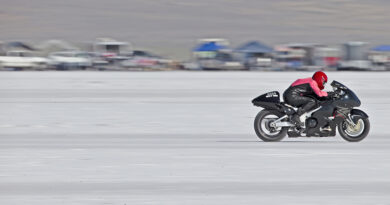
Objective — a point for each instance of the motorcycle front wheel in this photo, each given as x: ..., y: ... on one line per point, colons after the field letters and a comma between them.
x: 357, y: 132
x: 263, y: 129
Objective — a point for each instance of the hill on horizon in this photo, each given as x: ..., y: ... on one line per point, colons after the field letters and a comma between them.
x: 171, y: 27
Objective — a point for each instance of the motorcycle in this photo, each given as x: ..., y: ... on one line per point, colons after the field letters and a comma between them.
x: 273, y: 123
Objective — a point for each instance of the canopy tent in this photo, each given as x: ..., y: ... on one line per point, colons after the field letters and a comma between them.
x: 209, y: 46
x: 254, y: 47
x: 382, y: 48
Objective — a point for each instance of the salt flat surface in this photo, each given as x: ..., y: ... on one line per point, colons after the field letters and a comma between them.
x: 178, y: 138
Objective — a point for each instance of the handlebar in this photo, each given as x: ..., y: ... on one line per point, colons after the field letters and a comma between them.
x: 337, y: 93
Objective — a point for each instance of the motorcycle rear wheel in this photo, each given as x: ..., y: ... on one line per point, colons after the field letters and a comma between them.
x: 264, y: 131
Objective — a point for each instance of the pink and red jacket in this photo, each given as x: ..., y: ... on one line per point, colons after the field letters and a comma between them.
x: 307, y: 86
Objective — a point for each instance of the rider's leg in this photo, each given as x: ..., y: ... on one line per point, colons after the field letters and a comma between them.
x: 303, y: 104
x: 310, y: 103
x: 306, y: 105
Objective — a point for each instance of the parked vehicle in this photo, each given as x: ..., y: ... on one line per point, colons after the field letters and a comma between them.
x: 222, y: 61
x: 23, y: 60
x: 289, y: 58
x: 256, y: 55
x: 358, y: 65
x: 327, y: 57
x: 380, y: 56
x: 144, y: 59
x: 112, y: 50
x: 68, y: 60
x: 355, y: 57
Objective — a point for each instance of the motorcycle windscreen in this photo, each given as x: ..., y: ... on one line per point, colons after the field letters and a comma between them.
x: 349, y: 99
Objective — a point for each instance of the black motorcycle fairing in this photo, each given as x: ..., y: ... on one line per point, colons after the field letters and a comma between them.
x: 271, y: 101
x: 338, y: 85
x: 360, y: 113
x: 322, y: 117
x: 357, y: 112
x: 268, y: 100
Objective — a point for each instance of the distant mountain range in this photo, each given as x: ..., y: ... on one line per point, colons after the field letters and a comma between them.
x: 171, y: 27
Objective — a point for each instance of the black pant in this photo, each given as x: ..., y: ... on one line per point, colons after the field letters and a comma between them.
x: 304, y: 103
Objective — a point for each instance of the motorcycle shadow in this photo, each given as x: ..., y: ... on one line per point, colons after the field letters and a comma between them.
x: 284, y: 142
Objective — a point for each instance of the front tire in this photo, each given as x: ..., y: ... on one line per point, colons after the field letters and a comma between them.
x: 264, y: 131
x: 354, y: 133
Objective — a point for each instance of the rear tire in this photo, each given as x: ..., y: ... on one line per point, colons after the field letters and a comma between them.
x: 268, y: 135
x: 343, y: 130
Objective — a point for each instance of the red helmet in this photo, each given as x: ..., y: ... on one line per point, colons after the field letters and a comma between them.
x: 321, y: 78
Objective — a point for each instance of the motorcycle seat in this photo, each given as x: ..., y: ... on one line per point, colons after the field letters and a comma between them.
x: 288, y: 109
x: 288, y: 105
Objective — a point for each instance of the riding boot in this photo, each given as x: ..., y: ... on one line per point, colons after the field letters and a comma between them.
x: 295, y: 118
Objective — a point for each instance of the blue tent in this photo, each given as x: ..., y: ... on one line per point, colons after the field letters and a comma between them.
x: 382, y: 48
x: 254, y: 47
x: 209, y: 46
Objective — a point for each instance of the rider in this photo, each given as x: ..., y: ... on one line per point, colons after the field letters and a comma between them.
x: 300, y: 92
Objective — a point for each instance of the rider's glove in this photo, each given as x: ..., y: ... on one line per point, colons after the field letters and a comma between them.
x: 331, y: 95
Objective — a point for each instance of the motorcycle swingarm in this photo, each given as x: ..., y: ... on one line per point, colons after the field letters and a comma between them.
x: 279, y: 123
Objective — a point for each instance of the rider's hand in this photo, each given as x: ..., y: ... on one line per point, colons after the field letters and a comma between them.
x: 331, y: 95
